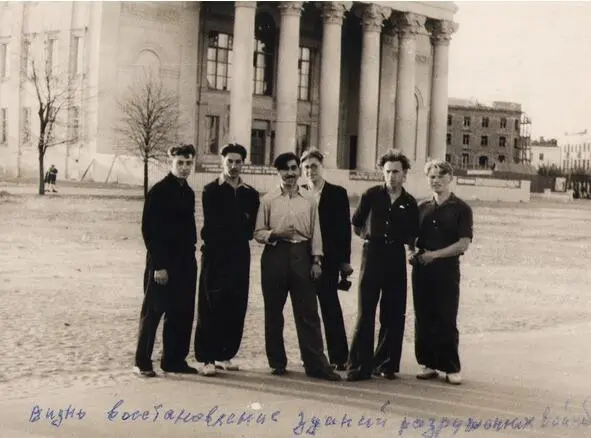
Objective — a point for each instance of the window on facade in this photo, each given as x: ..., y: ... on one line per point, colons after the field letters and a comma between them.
x: 27, y: 64
x: 502, y: 141
x: 516, y: 142
x: 26, y: 125
x: 465, y: 160
x: 219, y: 60
x: 4, y: 66
x: 517, y: 124
x: 51, y: 56
x: 448, y: 139
x: 75, y: 123
x: 483, y: 161
x: 264, y: 54
x: 449, y: 119
x: 503, y: 122
x: 485, y: 122
x: 541, y: 157
x: 501, y: 158
x: 484, y: 140
x: 466, y: 121
x: 304, y: 73
x: 448, y: 158
x: 3, y: 126
x: 212, y: 132
x: 77, y: 54
x: 466, y: 139
x: 302, y: 138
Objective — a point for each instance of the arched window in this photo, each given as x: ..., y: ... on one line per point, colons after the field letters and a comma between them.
x: 264, y: 54
x: 483, y: 161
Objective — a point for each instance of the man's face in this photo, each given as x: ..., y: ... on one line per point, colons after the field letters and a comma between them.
x: 394, y: 174
x: 289, y: 177
x: 232, y: 165
x: 313, y: 169
x: 182, y: 166
x: 438, y: 181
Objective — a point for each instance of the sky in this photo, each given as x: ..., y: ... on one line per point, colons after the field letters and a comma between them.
x: 534, y: 53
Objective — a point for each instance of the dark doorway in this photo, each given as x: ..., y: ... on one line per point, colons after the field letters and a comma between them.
x: 352, y: 152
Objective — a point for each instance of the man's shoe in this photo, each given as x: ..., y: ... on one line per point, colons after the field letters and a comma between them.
x: 427, y: 373
x: 390, y: 375
x: 279, y: 371
x: 144, y: 373
x: 356, y: 376
x: 454, y: 378
x: 328, y: 374
x: 181, y: 369
x: 339, y: 366
x: 208, y: 370
x: 226, y: 365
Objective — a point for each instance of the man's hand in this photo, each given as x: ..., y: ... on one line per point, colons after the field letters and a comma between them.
x: 346, y: 269
x: 286, y: 233
x: 427, y: 257
x: 161, y: 277
x: 315, y: 271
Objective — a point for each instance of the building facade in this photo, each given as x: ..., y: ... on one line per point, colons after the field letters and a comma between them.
x: 545, y: 153
x: 478, y: 135
x: 575, y: 151
x: 352, y: 78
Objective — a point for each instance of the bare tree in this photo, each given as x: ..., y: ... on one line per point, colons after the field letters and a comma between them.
x: 150, y: 121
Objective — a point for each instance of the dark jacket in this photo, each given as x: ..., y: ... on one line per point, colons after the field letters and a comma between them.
x: 168, y: 222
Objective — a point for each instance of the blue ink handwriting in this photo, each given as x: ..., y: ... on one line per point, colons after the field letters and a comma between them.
x: 56, y: 416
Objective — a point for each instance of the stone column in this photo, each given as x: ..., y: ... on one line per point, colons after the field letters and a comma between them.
x: 440, y: 36
x: 330, y: 80
x: 372, y: 18
x: 287, y: 77
x: 387, y: 89
x: 409, y: 25
x: 242, y: 71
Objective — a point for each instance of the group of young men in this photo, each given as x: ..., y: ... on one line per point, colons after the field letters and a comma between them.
x: 306, y: 231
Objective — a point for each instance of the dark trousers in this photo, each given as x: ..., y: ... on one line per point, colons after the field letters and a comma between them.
x: 285, y: 268
x: 436, y: 296
x: 176, y: 302
x: 332, y: 314
x: 223, y: 298
x: 383, y: 279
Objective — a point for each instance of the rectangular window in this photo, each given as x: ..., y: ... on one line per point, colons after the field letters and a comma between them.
x: 263, y: 68
x: 541, y: 157
x: 517, y: 124
x: 212, y: 132
x: 51, y: 56
x: 502, y: 141
x: 26, y: 124
x: 465, y: 159
x: 219, y: 60
x: 501, y: 158
x: 3, y: 126
x: 448, y: 158
x: 485, y: 122
x: 75, y: 123
x: 4, y: 67
x: 466, y: 122
x: 302, y: 138
x: 304, y: 73
x: 484, y: 140
x: 449, y: 119
x: 448, y: 139
x: 503, y: 123
x: 77, y: 55
x: 516, y: 142
x: 466, y: 139
x: 27, y: 66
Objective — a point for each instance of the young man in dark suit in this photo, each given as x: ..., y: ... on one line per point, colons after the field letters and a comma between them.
x: 335, y: 224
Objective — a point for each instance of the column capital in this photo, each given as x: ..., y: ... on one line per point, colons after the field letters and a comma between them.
x: 245, y: 4
x: 290, y: 8
x: 334, y: 12
x: 441, y: 30
x: 410, y: 24
x: 373, y: 16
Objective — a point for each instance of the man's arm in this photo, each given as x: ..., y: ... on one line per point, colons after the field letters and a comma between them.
x: 344, y: 212
x: 154, y: 228
x: 211, y: 231
x: 262, y: 231
x: 361, y: 214
x: 254, y: 207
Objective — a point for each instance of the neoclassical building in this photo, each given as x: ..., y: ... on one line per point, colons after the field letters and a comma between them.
x: 352, y: 78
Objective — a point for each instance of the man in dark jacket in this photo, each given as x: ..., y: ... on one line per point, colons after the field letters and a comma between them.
x: 168, y: 228
x: 229, y: 214
x: 335, y: 223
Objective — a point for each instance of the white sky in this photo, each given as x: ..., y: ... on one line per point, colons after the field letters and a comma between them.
x: 534, y: 53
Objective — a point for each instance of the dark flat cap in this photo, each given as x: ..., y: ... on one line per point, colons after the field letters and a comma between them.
x: 234, y: 148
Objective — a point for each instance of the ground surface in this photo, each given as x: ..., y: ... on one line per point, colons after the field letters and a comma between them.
x: 70, y: 286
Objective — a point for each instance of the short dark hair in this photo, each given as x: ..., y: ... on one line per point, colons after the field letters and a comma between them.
x: 182, y: 150
x: 234, y: 148
x: 312, y: 153
x: 281, y: 161
x: 394, y: 155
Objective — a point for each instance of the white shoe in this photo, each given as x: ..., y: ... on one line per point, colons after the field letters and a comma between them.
x: 454, y: 378
x: 427, y: 373
x: 226, y: 365
x: 208, y: 370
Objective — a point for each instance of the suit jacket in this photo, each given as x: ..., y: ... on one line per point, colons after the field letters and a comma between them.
x: 335, y: 224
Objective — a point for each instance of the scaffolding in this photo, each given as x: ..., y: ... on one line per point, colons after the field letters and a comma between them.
x: 524, y: 152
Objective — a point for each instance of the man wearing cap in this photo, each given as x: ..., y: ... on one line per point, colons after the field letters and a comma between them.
x: 287, y: 223
x: 229, y: 213
x: 335, y: 222
x: 170, y: 235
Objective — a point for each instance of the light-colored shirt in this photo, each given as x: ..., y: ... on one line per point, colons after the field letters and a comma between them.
x: 278, y: 210
x: 315, y: 192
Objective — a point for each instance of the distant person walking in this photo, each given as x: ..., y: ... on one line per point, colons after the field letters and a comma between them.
x: 168, y: 228
x: 445, y: 233
x: 51, y: 178
x: 229, y: 214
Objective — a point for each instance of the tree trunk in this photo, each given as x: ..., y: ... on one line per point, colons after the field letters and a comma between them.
x: 145, y: 177
x: 41, y: 174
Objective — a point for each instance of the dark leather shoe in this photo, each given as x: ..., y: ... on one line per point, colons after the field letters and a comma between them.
x: 339, y: 366
x: 390, y: 375
x: 356, y: 375
x: 329, y: 375
x: 144, y: 373
x: 278, y: 371
x: 181, y: 369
